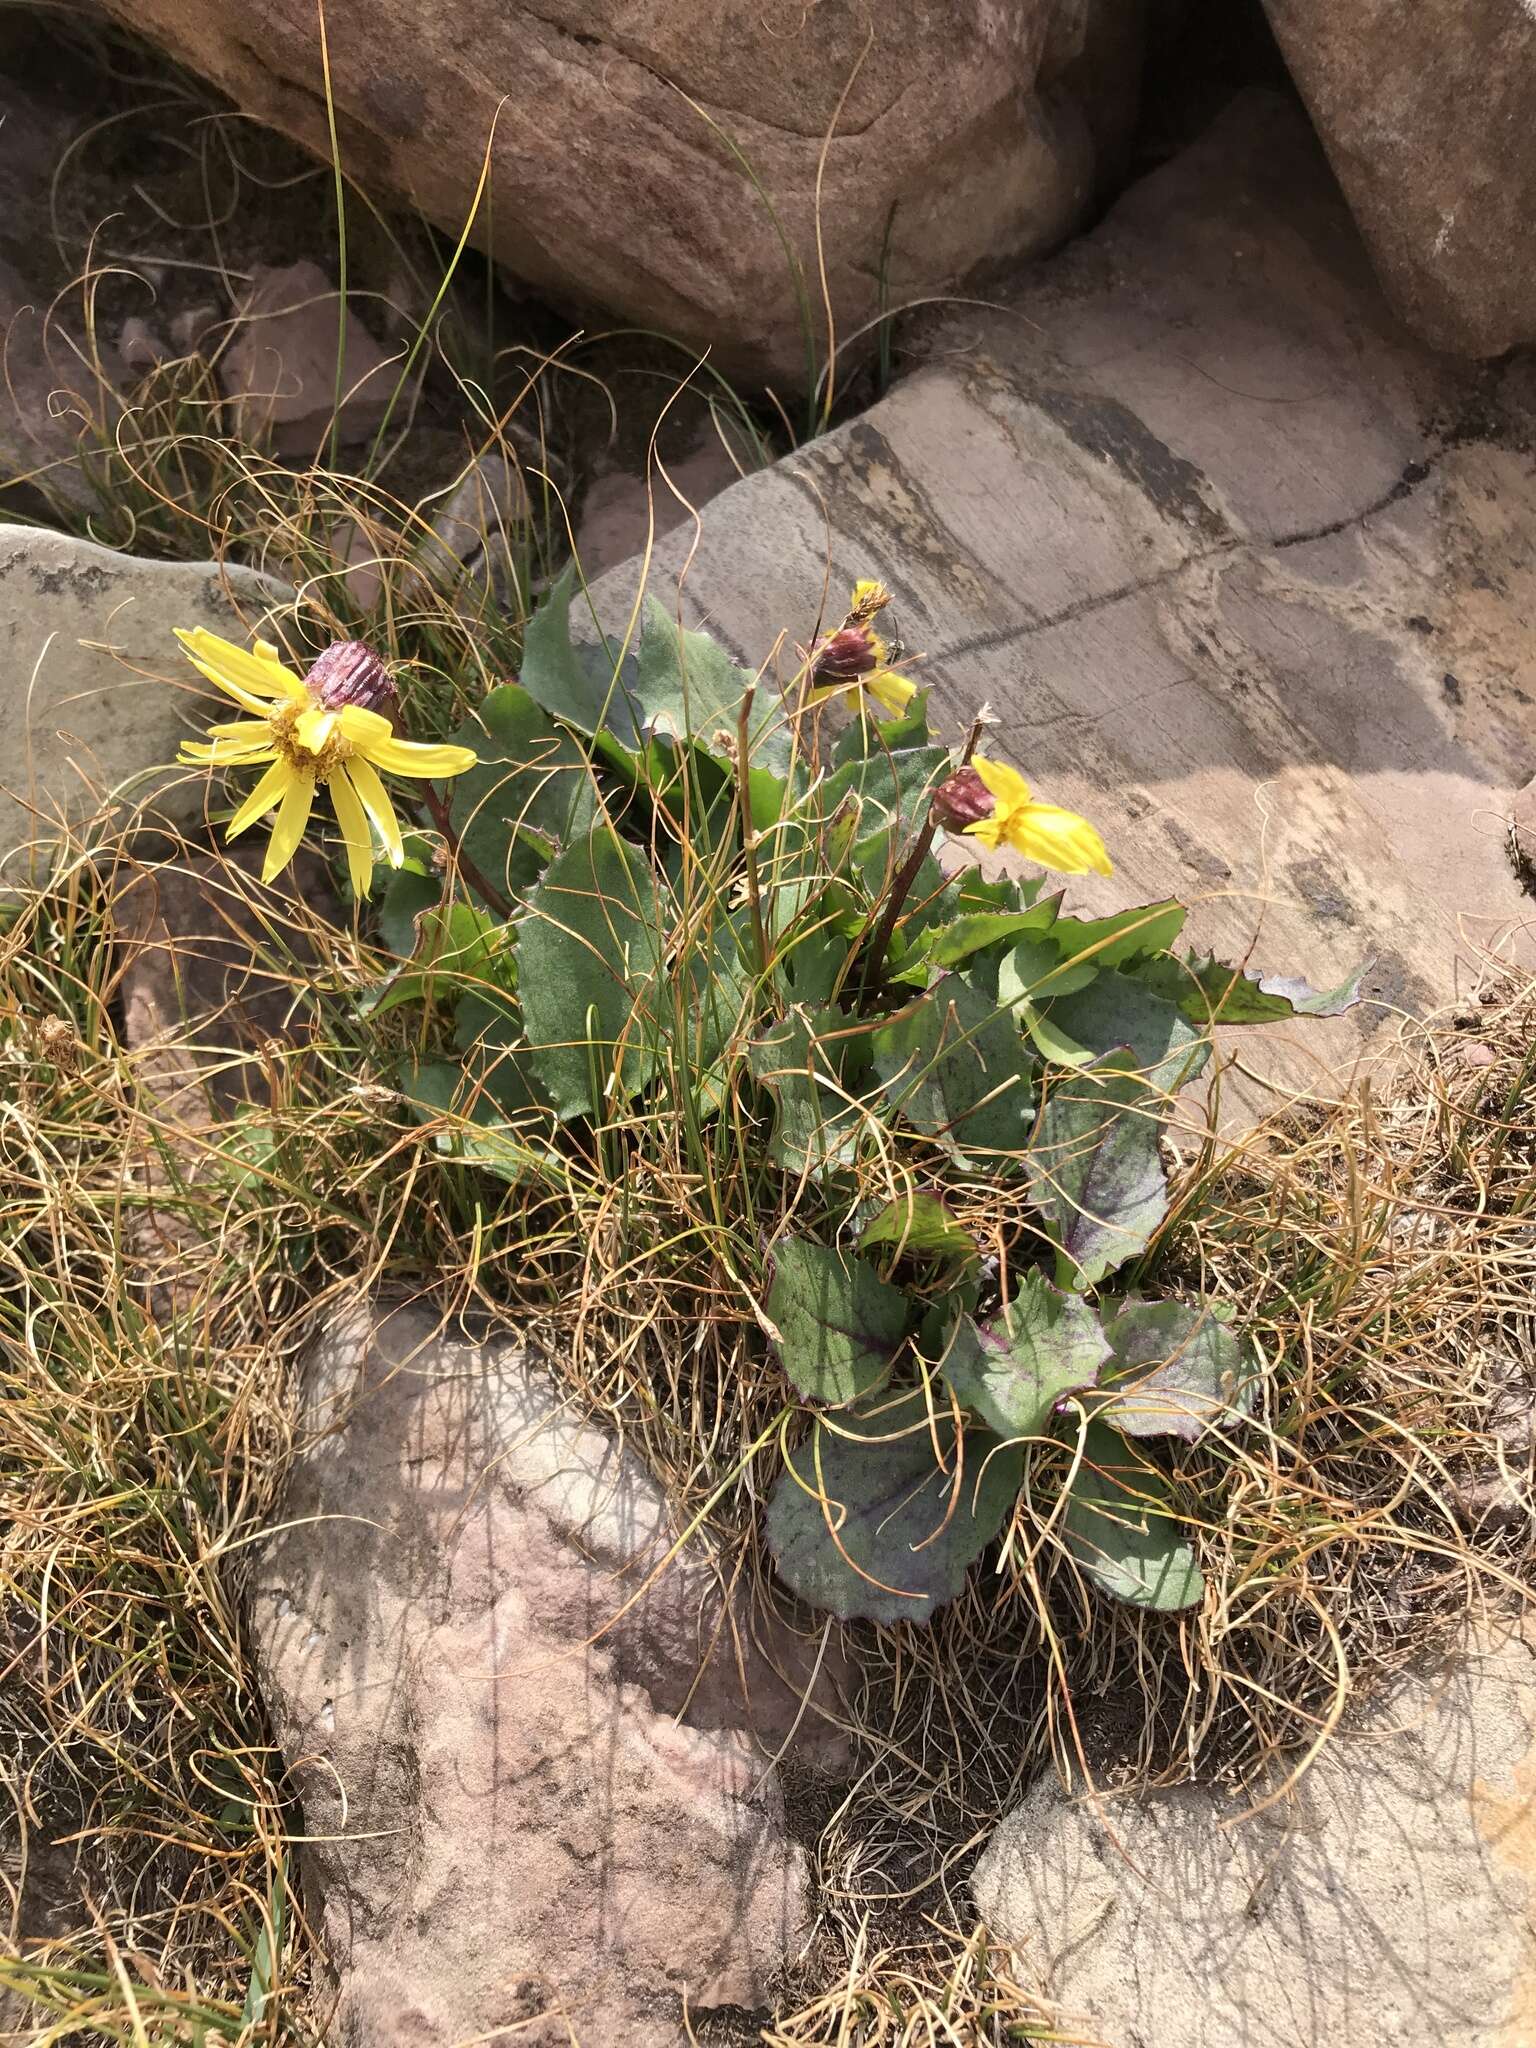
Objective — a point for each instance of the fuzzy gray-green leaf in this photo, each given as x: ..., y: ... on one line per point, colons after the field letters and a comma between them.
x: 1178, y: 1370
x: 684, y: 686
x: 815, y: 1127
x: 1013, y: 1372
x: 1113, y: 1010
x: 579, y: 683
x: 589, y: 953
x: 1095, y: 1169
x: 906, y: 1530
x: 530, y: 790
x: 954, y: 1065
x: 1119, y: 1524
x: 840, y: 1325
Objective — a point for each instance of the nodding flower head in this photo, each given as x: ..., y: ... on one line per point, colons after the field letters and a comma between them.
x: 845, y: 655
x: 854, y: 661
x: 991, y: 803
x: 348, y: 672
x: 964, y: 800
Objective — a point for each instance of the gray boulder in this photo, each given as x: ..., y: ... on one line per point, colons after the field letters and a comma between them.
x: 540, y: 1791
x: 95, y: 692
x: 1388, y: 1904
x: 1426, y: 113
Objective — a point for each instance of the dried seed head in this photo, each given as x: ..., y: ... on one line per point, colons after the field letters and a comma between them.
x: 350, y: 673
x: 963, y: 800
x: 59, y: 1044
x: 844, y: 656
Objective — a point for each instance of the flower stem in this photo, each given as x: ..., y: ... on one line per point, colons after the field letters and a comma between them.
x: 491, y: 895
x: 748, y: 829
x: 901, y: 888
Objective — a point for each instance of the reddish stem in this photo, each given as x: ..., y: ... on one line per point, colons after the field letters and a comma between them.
x: 461, y: 860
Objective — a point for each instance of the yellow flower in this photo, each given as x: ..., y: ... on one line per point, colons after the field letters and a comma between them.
x: 307, y: 733
x: 855, y: 659
x: 1041, y: 832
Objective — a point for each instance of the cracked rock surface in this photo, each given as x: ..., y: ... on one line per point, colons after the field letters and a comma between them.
x: 1244, y: 571
x: 532, y: 1809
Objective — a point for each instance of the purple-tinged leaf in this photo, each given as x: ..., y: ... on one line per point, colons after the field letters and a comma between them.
x: 840, y: 1325
x: 1094, y: 1166
x: 868, y: 1524
x: 1012, y: 1373
x: 1178, y: 1370
x: 1120, y: 1526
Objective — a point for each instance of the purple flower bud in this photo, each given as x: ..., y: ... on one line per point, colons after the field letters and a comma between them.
x: 844, y: 656
x: 963, y: 800
x: 350, y: 673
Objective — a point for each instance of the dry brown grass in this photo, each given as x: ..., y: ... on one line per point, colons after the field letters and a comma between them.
x: 1385, y: 1254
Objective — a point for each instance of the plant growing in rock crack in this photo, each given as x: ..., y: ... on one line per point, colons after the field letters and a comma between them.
x: 914, y: 1116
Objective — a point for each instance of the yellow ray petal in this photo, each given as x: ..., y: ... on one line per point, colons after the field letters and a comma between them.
x: 267, y: 793
x: 258, y: 672
x: 411, y: 757
x: 288, y: 827
x: 246, y: 699
x: 378, y: 806
x: 988, y: 831
x: 242, y: 729
x: 1005, y: 783
x: 312, y: 728
x: 1057, y: 839
x: 227, y: 753
x: 362, y: 726
x: 892, y: 693
x: 353, y: 821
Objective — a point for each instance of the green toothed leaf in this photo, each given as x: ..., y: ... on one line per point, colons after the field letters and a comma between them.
x: 954, y: 1067
x: 1012, y: 1373
x: 1207, y: 992
x: 1129, y: 935
x: 1094, y: 1166
x: 590, y: 955
x: 920, y: 1225
x: 1178, y: 1370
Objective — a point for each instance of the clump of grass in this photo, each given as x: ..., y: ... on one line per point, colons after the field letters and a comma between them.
x: 1385, y: 1252
x: 134, y: 1453
x: 924, y: 1985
